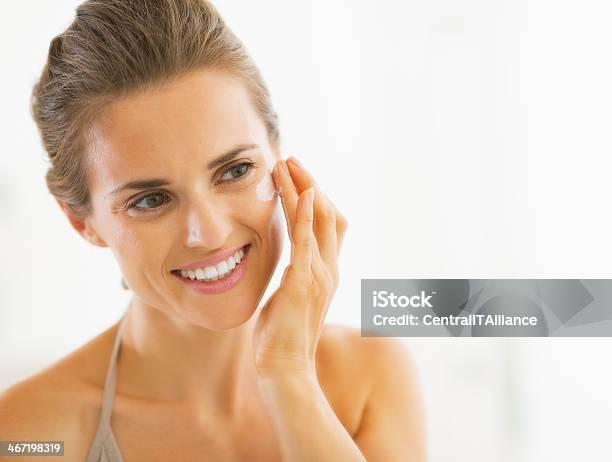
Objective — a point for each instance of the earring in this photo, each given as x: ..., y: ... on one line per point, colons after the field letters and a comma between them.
x: 124, y: 285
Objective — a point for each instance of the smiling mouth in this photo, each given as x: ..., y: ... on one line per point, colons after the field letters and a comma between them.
x: 215, y: 272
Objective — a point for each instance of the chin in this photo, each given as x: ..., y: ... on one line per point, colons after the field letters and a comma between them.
x: 221, y: 318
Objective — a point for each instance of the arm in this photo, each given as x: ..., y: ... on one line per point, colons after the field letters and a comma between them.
x: 287, y: 333
x: 305, y: 424
x: 392, y: 426
x: 286, y: 340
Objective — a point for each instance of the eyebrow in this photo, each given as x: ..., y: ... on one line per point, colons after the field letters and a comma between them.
x: 157, y: 182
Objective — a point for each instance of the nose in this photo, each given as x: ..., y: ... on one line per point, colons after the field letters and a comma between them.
x: 208, y: 225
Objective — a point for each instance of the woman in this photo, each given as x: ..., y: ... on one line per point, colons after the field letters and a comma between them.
x: 165, y: 148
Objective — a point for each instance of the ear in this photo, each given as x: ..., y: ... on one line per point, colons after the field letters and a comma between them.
x: 82, y: 226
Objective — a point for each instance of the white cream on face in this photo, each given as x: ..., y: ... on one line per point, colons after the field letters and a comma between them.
x: 265, y: 190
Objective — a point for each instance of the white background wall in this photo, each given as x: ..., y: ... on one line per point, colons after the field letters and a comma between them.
x: 462, y: 138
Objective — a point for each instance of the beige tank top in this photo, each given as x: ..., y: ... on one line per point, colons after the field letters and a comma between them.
x: 104, y: 447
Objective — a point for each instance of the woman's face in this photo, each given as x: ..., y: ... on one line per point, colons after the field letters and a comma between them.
x: 206, y: 205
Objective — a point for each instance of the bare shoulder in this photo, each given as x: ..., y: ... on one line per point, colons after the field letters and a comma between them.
x: 344, y: 354
x: 344, y: 345
x: 35, y: 407
x: 57, y: 403
x: 378, y: 376
x: 40, y: 408
x: 349, y: 367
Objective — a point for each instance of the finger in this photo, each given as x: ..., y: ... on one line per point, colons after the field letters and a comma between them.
x: 303, y: 180
x: 325, y: 229
x: 287, y: 192
x: 301, y: 177
x: 341, y: 225
x: 303, y: 244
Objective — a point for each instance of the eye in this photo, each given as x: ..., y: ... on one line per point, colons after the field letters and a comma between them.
x: 149, y: 202
x: 237, y: 171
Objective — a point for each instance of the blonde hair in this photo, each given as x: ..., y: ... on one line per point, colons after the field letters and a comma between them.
x: 114, y: 48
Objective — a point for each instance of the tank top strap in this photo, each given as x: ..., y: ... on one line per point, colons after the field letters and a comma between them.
x: 111, y: 380
x: 111, y: 377
x: 103, y: 431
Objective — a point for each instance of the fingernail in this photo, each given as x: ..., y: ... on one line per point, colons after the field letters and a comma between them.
x: 295, y: 162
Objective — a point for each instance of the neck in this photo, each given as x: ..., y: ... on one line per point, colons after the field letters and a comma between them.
x: 170, y: 360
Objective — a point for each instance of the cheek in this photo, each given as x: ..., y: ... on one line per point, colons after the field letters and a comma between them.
x: 137, y: 249
x: 276, y: 234
x: 128, y: 249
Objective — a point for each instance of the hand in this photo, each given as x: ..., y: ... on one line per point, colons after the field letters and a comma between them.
x: 290, y: 324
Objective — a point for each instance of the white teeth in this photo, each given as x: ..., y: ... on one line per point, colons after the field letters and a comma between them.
x: 213, y: 273
x: 223, y: 269
x: 200, y: 273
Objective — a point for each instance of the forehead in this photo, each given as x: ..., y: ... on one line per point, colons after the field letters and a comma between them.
x: 198, y: 116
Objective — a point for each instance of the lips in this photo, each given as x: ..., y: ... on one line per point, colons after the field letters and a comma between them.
x: 211, y: 261
x: 212, y: 287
